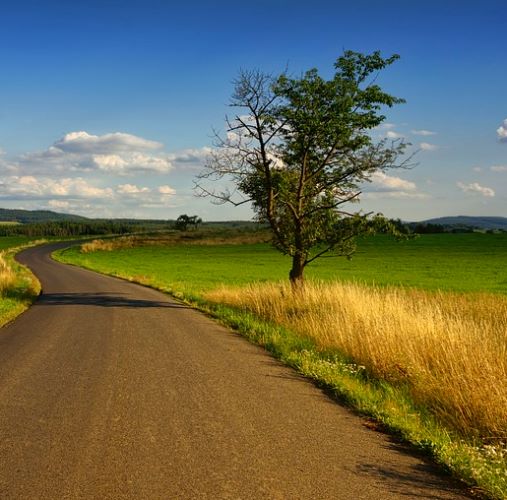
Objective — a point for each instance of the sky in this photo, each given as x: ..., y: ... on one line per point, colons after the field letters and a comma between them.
x: 107, y: 107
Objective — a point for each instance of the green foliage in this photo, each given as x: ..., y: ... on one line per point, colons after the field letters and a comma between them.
x: 69, y: 228
x: 184, y: 221
x: 302, y: 152
x: 37, y: 216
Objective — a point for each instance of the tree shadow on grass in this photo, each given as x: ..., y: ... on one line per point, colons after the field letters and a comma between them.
x: 101, y: 299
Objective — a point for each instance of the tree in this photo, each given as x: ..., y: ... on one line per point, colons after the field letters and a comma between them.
x: 299, y: 151
x: 184, y: 220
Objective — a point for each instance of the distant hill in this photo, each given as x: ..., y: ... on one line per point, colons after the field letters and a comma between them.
x: 470, y: 221
x: 34, y: 216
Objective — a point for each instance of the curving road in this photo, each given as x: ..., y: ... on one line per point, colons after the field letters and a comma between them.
x: 109, y: 390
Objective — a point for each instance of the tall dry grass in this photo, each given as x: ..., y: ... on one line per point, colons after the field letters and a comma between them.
x: 7, y: 275
x: 449, y: 349
x: 176, y: 238
x: 109, y: 245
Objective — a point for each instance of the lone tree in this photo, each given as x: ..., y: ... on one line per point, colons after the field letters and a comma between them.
x: 299, y: 150
x: 184, y: 221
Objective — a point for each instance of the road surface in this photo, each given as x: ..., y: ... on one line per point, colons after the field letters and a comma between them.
x: 109, y: 390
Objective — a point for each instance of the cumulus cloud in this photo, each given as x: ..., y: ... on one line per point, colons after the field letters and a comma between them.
x: 423, y: 132
x: 499, y: 168
x: 426, y: 146
x: 384, y: 182
x: 386, y: 130
x: 116, y: 153
x: 131, y: 189
x: 131, y: 162
x: 87, y: 174
x: 166, y: 190
x: 387, y: 186
x: 386, y: 126
x: 476, y: 188
x: 391, y: 134
x: 145, y: 196
x: 30, y: 187
x: 83, y: 142
x: 112, y: 163
x: 80, y: 196
x: 501, y: 131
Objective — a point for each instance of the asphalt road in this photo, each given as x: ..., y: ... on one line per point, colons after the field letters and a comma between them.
x: 109, y: 390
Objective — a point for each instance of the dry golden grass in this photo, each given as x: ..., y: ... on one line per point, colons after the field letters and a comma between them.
x: 108, y: 245
x: 187, y: 238
x: 449, y: 349
x: 7, y: 275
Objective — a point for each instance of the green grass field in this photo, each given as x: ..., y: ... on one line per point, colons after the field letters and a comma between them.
x: 7, y: 242
x: 473, y: 262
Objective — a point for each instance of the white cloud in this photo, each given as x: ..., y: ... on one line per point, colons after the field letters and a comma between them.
x: 423, y: 132
x: 83, y: 142
x: 77, y: 152
x: 386, y: 130
x: 166, y: 190
x: 387, y: 186
x: 393, y: 135
x: 132, y: 163
x: 85, y: 174
x: 477, y: 169
x: 384, y: 182
x: 426, y: 146
x: 501, y: 131
x: 30, y: 187
x: 475, y: 187
x: 113, y: 163
x: 499, y: 168
x: 131, y: 189
x: 386, y: 126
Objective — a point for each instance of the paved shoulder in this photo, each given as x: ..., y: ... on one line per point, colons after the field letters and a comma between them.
x: 109, y: 390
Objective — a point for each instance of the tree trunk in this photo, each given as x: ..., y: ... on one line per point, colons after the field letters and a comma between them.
x: 296, y: 275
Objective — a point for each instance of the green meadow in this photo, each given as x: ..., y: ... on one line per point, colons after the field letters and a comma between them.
x: 474, y: 262
x: 7, y: 242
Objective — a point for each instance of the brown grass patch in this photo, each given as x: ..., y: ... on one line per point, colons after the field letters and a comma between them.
x: 177, y: 238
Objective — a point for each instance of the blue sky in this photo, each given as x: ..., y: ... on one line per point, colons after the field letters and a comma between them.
x: 107, y: 107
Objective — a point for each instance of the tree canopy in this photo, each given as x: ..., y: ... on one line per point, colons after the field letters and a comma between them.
x: 299, y: 149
